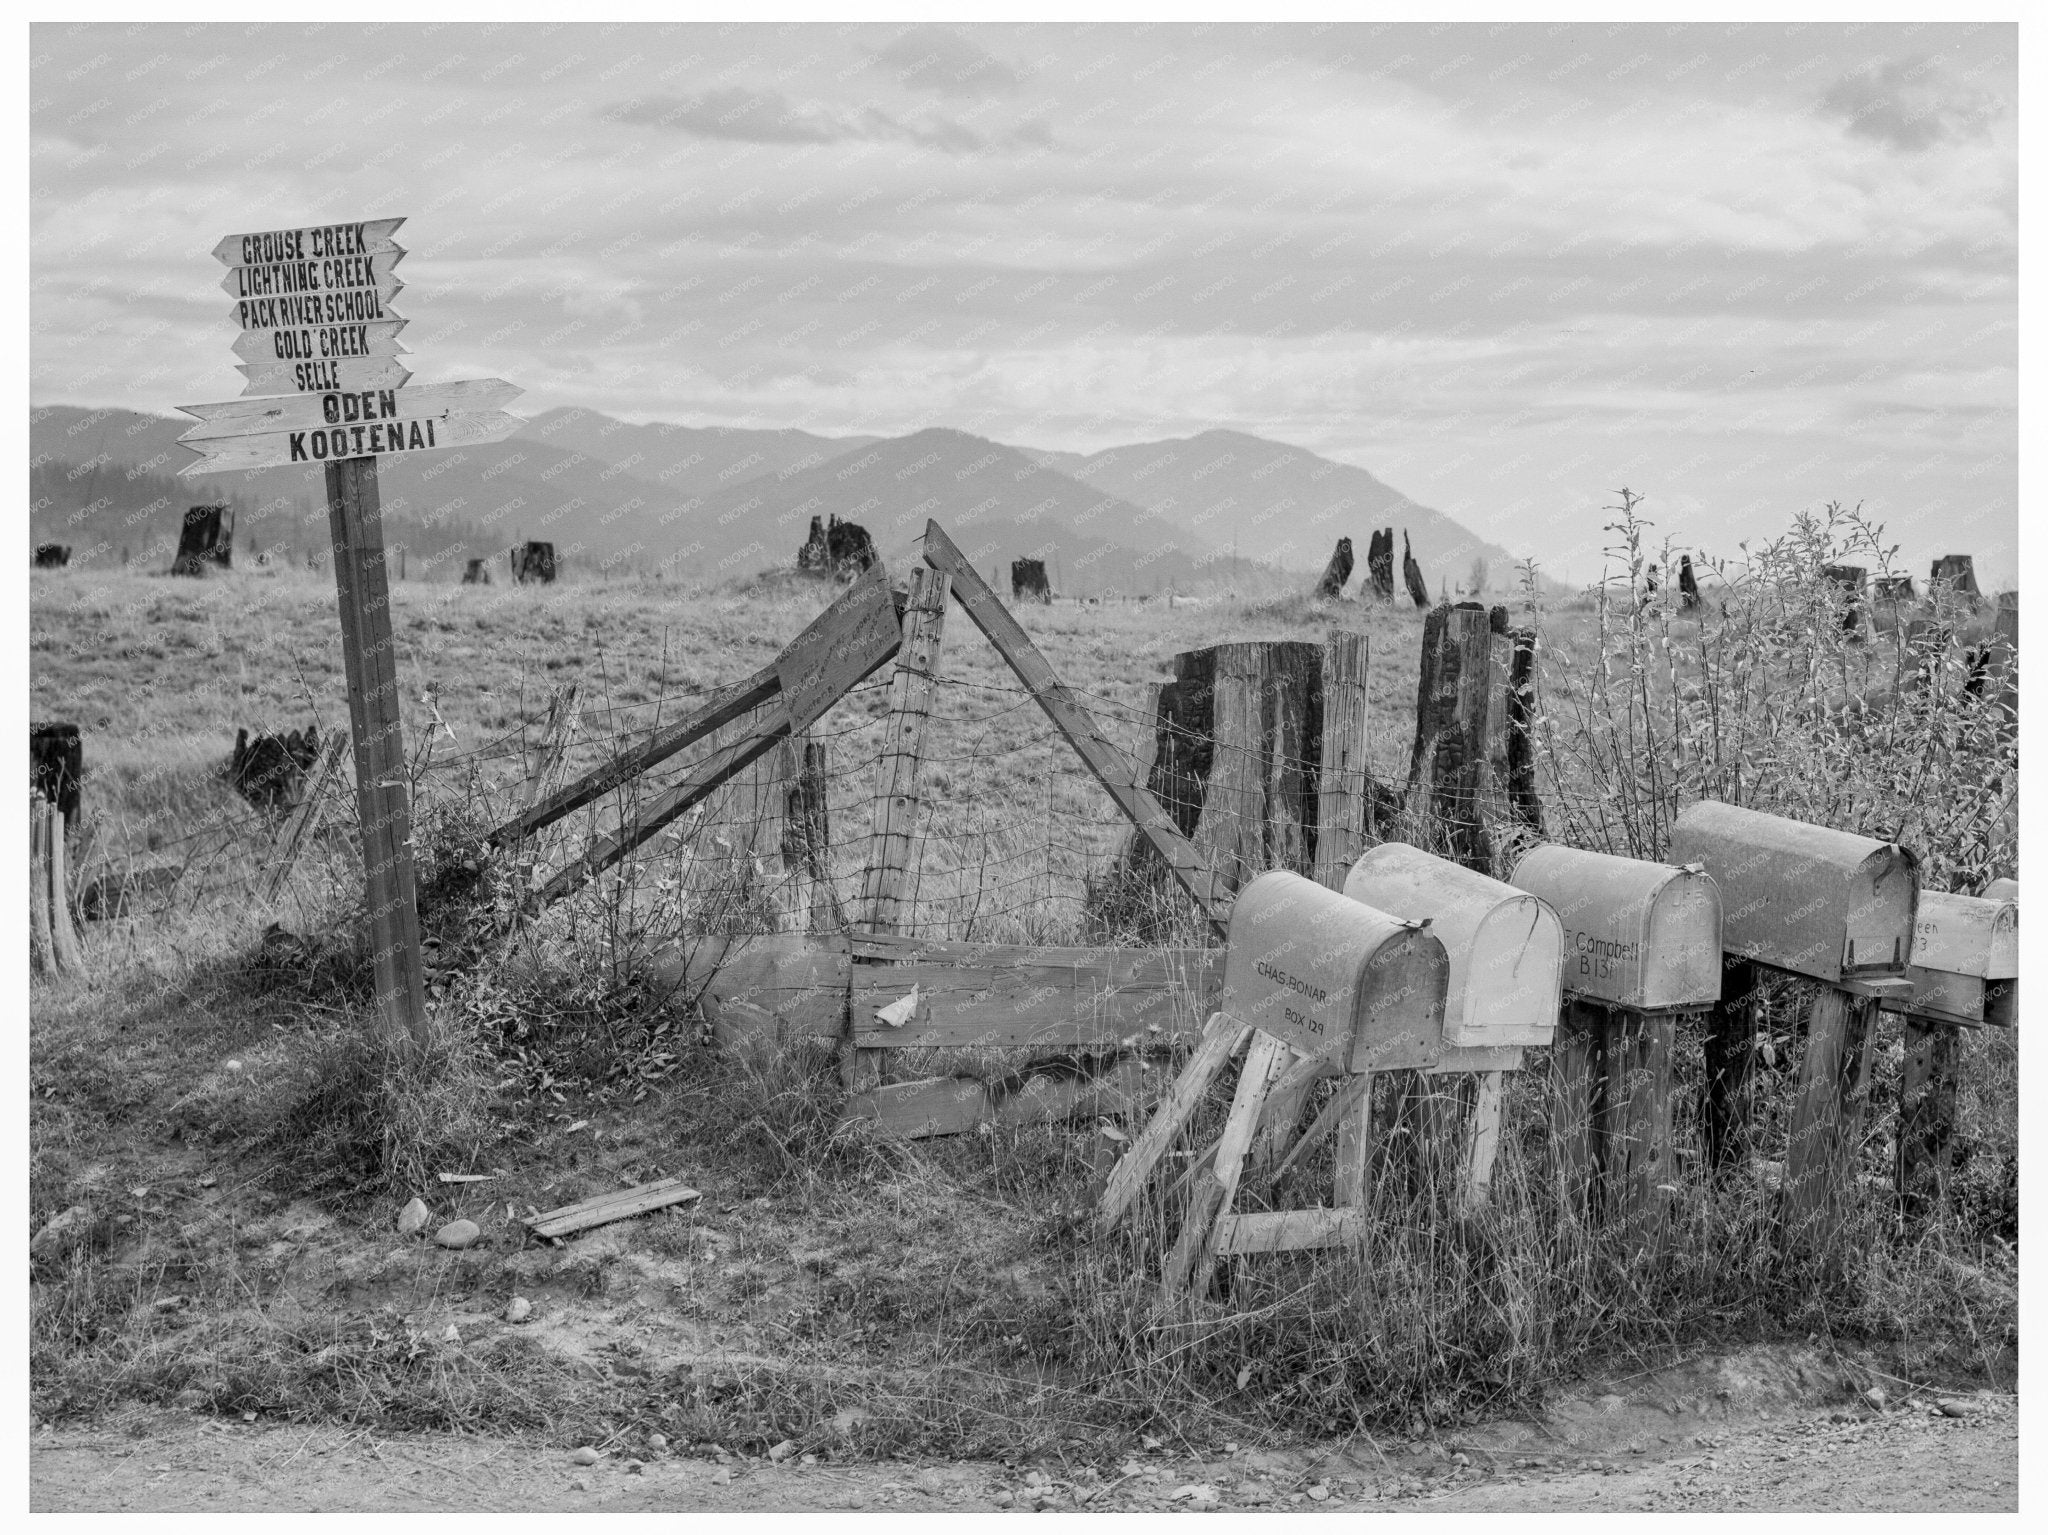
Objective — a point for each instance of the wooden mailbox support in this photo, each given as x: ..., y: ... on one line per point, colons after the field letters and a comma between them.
x: 1833, y: 907
x: 1965, y: 973
x: 1322, y: 985
x: 1642, y: 947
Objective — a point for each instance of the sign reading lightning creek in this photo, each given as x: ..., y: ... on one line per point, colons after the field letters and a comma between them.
x: 319, y: 348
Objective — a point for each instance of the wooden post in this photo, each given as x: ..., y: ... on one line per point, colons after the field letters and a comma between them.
x: 885, y: 891
x: 1928, y: 1084
x: 1344, y: 816
x: 1635, y: 1125
x: 355, y: 523
x: 41, y: 954
x: 1482, y: 1141
x: 886, y: 888
x: 1193, y: 1258
x: 302, y: 820
x: 1354, y: 1141
x: 807, y: 832
x: 63, y: 936
x: 1577, y: 1055
x: 1729, y: 1048
x: 1827, y: 1120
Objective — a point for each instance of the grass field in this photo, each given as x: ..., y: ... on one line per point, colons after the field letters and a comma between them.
x: 205, y: 1093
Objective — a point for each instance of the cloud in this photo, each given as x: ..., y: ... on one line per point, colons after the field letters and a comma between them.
x: 1911, y: 104
x: 945, y: 63
x: 769, y: 117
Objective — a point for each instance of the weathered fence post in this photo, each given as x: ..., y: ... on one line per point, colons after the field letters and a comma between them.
x: 41, y: 952
x: 885, y: 892
x: 63, y: 936
x: 1827, y: 1120
x: 1926, y: 1142
x: 1344, y: 803
x: 1462, y: 801
x: 1635, y: 1125
x: 1729, y: 1047
x: 1577, y: 1067
x: 807, y: 831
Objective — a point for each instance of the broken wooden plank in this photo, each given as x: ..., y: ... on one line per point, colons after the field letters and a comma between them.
x: 1112, y: 769
x: 603, y: 1209
x: 1278, y: 1231
x: 840, y: 648
x: 767, y: 989
x: 956, y: 1105
x: 1220, y: 1038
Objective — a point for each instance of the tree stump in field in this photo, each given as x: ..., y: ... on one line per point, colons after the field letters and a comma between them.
x: 1379, y: 563
x: 1337, y: 572
x: 206, y: 539
x: 476, y: 573
x: 1956, y: 571
x: 56, y: 765
x: 1257, y: 751
x: 1027, y: 581
x: 1411, y: 573
x: 52, y: 556
x: 1471, y: 778
x: 534, y: 561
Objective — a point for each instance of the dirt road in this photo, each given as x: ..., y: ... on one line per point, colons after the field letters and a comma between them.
x: 1909, y: 1455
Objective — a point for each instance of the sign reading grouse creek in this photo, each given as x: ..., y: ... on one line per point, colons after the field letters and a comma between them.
x: 314, y: 309
x: 319, y: 347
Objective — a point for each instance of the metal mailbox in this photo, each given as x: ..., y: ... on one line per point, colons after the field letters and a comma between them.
x: 1966, y: 959
x: 1506, y: 946
x: 1824, y: 903
x: 1639, y: 935
x: 1333, y: 977
x: 2003, y: 890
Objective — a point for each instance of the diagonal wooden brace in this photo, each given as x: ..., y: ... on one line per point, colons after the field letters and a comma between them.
x: 1112, y: 769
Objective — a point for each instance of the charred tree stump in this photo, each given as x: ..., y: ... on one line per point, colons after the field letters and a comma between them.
x: 1411, y: 573
x: 56, y: 765
x: 52, y: 556
x: 1027, y: 581
x: 206, y: 539
x: 1336, y: 573
x: 476, y: 573
x: 1462, y: 801
x: 534, y: 561
x: 1380, y: 564
x: 1958, y: 572
x: 1849, y: 583
x: 1688, y: 586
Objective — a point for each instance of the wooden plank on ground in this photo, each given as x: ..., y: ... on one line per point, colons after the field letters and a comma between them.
x: 1112, y: 769
x: 960, y: 1105
x: 1278, y: 1231
x: 603, y: 1209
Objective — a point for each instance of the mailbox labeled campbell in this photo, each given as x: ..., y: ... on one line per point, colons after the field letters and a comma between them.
x: 1824, y: 903
x: 1506, y: 946
x: 1333, y: 977
x: 1639, y: 935
x: 1966, y: 959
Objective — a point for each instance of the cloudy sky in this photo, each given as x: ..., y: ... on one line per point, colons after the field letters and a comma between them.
x: 1741, y: 269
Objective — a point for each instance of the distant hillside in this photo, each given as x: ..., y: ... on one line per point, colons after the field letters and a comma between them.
x: 1285, y: 504
x: 996, y: 502
x: 673, y: 456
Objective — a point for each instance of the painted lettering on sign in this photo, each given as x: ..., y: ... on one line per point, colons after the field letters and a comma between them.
x: 302, y: 309
x: 318, y: 446
x: 303, y: 343
x: 307, y: 276
x: 322, y: 374
x: 312, y: 243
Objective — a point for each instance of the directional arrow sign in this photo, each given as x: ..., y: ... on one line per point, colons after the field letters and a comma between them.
x: 438, y: 402
x: 371, y: 237
x: 308, y: 343
x: 363, y: 439
x: 333, y: 373
x: 285, y: 310
x: 326, y: 275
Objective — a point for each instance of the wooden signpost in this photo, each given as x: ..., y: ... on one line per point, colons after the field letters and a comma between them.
x: 319, y: 348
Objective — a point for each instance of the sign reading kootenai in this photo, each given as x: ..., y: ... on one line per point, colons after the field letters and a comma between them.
x: 313, y: 306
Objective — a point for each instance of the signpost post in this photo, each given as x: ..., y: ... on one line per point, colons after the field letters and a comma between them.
x: 319, y: 348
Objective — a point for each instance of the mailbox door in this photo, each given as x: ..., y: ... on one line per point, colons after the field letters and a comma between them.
x: 1878, y: 925
x: 1401, y: 992
x: 1511, y: 977
x: 1968, y: 934
x: 1682, y: 955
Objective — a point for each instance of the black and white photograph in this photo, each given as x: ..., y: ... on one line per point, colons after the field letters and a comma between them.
x: 937, y: 762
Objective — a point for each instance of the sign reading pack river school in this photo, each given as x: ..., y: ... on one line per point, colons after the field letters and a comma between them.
x: 319, y: 347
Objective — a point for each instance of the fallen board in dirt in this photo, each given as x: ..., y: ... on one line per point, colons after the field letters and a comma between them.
x: 606, y: 1208
x: 960, y: 1105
